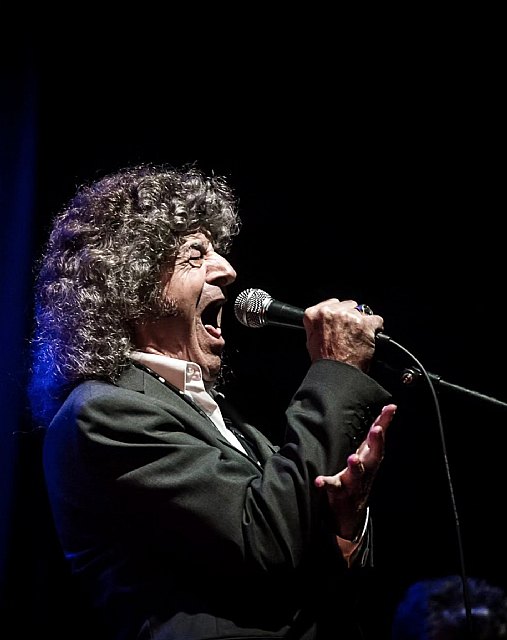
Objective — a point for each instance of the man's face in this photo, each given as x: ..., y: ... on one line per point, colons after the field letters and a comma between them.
x: 195, y: 289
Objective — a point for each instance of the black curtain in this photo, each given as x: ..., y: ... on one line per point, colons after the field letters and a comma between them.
x: 18, y: 136
x: 391, y: 194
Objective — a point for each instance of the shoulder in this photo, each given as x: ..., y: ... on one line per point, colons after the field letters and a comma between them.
x: 134, y: 400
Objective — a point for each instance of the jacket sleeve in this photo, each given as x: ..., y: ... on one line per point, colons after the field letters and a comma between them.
x: 153, y: 474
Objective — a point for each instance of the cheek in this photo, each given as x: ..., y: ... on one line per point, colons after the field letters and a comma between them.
x: 183, y: 291
x: 179, y: 290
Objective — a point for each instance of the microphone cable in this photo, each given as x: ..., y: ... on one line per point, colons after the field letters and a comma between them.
x: 255, y: 308
x: 461, y: 555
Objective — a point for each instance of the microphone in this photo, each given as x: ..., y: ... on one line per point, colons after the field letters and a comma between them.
x: 255, y: 308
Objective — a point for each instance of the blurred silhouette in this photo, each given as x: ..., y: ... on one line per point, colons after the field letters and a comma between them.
x: 434, y: 609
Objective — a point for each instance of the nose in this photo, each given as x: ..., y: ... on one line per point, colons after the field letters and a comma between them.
x: 220, y: 271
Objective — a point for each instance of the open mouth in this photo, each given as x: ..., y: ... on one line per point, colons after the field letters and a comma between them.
x: 211, y: 318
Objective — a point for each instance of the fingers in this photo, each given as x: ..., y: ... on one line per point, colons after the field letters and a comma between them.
x: 328, y: 481
x: 337, y: 330
x: 356, y: 465
x: 333, y: 307
x: 355, y: 470
x: 385, y: 416
x: 366, y: 460
x: 375, y: 437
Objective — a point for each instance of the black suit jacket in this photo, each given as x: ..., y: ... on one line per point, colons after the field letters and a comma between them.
x: 174, y: 534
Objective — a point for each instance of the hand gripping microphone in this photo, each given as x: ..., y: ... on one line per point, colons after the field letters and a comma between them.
x: 255, y: 308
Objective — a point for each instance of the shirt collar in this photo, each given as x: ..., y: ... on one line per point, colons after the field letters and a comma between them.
x: 185, y: 376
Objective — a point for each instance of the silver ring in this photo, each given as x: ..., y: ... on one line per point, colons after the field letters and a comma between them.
x: 364, y: 308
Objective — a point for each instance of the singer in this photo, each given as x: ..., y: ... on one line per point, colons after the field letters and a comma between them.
x: 178, y: 519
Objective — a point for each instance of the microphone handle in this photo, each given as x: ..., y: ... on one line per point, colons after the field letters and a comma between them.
x: 282, y: 315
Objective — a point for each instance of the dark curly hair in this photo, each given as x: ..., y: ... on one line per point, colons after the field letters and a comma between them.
x: 433, y: 609
x: 100, y: 270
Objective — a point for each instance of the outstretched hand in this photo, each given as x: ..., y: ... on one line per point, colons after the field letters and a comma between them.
x: 348, y: 491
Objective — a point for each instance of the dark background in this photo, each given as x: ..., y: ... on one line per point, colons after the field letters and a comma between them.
x: 374, y: 174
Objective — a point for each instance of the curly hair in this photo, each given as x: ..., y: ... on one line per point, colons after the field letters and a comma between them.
x: 100, y: 270
x: 433, y: 609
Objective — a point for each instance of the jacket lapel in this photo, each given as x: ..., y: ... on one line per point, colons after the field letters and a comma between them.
x: 135, y: 379
x: 260, y: 443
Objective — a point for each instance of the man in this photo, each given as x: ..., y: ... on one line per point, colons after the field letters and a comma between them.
x: 180, y: 520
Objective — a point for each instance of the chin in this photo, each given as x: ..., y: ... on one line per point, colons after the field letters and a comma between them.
x: 211, y: 370
x: 212, y: 374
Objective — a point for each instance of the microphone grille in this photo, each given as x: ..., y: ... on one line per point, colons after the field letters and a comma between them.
x: 249, y: 307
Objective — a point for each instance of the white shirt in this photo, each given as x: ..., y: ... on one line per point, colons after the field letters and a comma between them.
x: 187, y: 377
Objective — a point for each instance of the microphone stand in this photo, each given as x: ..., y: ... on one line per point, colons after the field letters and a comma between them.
x: 410, y: 376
